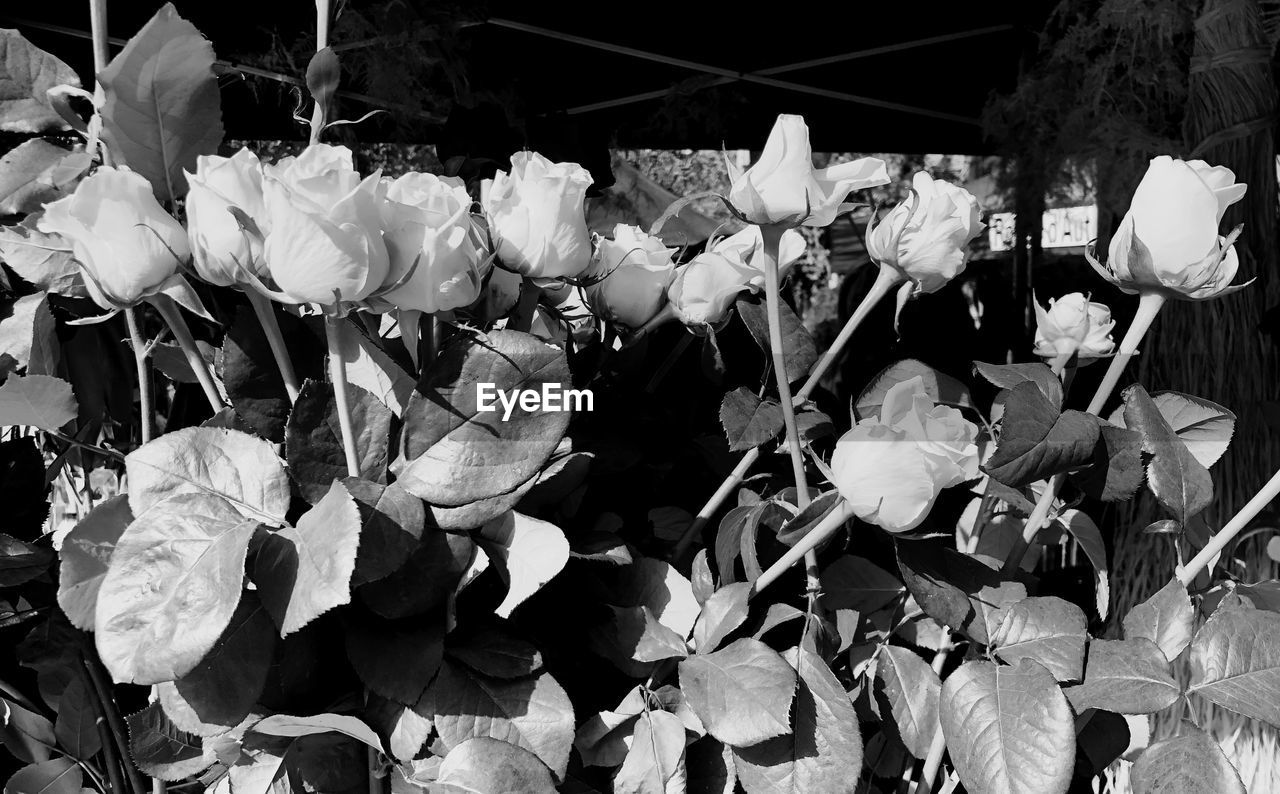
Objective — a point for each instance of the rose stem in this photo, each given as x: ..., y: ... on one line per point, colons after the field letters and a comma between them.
x: 111, y: 715
x: 522, y: 317
x: 338, y: 376
x: 841, y: 513
x: 144, y: 372
x: 1148, y: 307
x: 1059, y: 364
x: 271, y: 327
x: 668, y: 363
x: 182, y: 332
x: 933, y: 760
x: 884, y: 283
x: 1188, y: 572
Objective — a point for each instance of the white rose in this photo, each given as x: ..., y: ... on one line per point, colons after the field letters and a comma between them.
x: 632, y: 272
x: 926, y: 237
x: 325, y: 237
x: 891, y: 469
x: 435, y: 264
x: 221, y: 249
x: 704, y: 290
x: 1168, y: 242
x: 127, y: 245
x: 783, y: 187
x: 537, y: 218
x: 1074, y: 324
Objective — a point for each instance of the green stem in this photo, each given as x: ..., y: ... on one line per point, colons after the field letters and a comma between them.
x: 840, y: 514
x: 933, y: 760
x: 107, y: 705
x: 522, y: 317
x: 271, y: 327
x: 182, y: 332
x: 144, y: 372
x: 1188, y: 572
x: 338, y: 376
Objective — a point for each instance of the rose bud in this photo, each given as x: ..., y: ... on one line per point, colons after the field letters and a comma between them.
x: 536, y: 216
x: 926, y: 237
x: 222, y: 249
x: 325, y: 232
x: 891, y: 469
x: 128, y: 247
x: 630, y: 276
x: 1074, y: 324
x: 704, y: 290
x: 1168, y: 242
x: 783, y: 187
x: 435, y: 264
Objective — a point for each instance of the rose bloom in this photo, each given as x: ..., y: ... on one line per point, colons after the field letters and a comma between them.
x: 435, y: 264
x: 783, y: 187
x: 222, y: 250
x: 1074, y: 324
x: 704, y: 290
x: 926, y: 237
x: 325, y: 237
x: 128, y: 247
x: 632, y: 272
x: 537, y: 218
x: 1168, y: 241
x: 891, y: 469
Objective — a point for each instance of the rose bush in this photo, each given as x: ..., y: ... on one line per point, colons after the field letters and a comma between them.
x: 495, y: 537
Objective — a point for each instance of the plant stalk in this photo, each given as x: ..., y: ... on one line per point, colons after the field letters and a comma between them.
x: 526, y: 307
x: 338, y: 376
x: 840, y: 514
x: 271, y: 327
x: 109, y: 710
x: 144, y: 372
x: 182, y: 332
x: 1187, y: 573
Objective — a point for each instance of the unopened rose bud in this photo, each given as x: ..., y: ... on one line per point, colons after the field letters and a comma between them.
x: 926, y: 237
x: 536, y: 216
x: 1073, y: 324
x: 631, y: 274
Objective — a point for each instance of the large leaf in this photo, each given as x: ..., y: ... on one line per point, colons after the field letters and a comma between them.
x: 172, y: 587
x: 1235, y: 662
x: 20, y: 562
x: 396, y: 660
x: 1125, y: 676
x: 1037, y: 441
x: 1010, y: 376
x: 220, y: 692
x: 44, y: 260
x: 391, y: 528
x: 452, y: 452
x: 163, y: 108
x: 636, y: 635
x: 31, y: 174
x: 496, y: 654
x: 1009, y: 729
x: 1204, y: 427
x: 291, y: 726
x: 1047, y: 629
x: 956, y: 589
x: 1117, y: 470
x: 723, y: 612
x: 654, y: 764
x: 741, y: 693
x: 55, y: 776
x: 28, y: 336
x: 241, y: 468
x: 426, y: 580
x: 27, y: 735
x: 940, y: 387
x: 910, y: 688
x: 255, y: 387
x: 313, y: 438
x: 1189, y: 763
x: 164, y: 751
x: 26, y: 74
x: 747, y: 420
x: 531, y: 713
x: 484, y: 764
x: 530, y: 551
x: 370, y: 368
x: 1166, y: 618
x: 856, y: 583
x: 85, y: 552
x: 1179, y: 481
x: 304, y: 572
x: 660, y: 587
x: 823, y: 752
x: 36, y: 401
x: 1089, y: 537
x: 802, y: 353
x: 77, y: 724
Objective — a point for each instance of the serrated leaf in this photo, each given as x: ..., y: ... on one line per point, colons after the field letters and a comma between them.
x: 635, y: 634
x: 222, y: 690
x: 1125, y: 676
x: 747, y: 420
x: 956, y: 589
x: 313, y: 438
x: 27, y: 735
x: 304, y: 572
x: 1116, y: 472
x: 426, y: 580
x: 1047, y: 629
x: 701, y: 579
x: 1235, y: 662
x: 1086, y: 533
x: 725, y: 611
x: 1166, y: 618
x: 391, y: 526
x: 1180, y: 483
x: 940, y: 387
x: 484, y: 764
x: 530, y: 551
x: 660, y: 587
x: 55, y: 776
x: 1036, y: 441
x: 77, y: 723
x: 172, y: 587
x: 910, y: 689
x: 1204, y: 427
x: 742, y: 693
x: 806, y: 520
x: 604, y: 739
x: 370, y: 368
x: 496, y: 654
x: 532, y: 713
x: 162, y: 108
x: 852, y: 582
x: 242, y: 469
x: 802, y: 353
x: 26, y: 74
x: 654, y: 764
x: 20, y: 562
x: 1008, y: 729
x: 1010, y: 376
x: 255, y: 387
x: 451, y: 451
x: 29, y: 176
x: 1190, y: 763
x: 36, y: 401
x: 396, y: 660
x: 823, y: 751
x: 162, y: 750
x: 44, y: 260
x: 85, y: 552
x: 290, y: 726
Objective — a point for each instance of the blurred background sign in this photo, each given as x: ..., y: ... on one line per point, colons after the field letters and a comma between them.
x: 1062, y: 227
